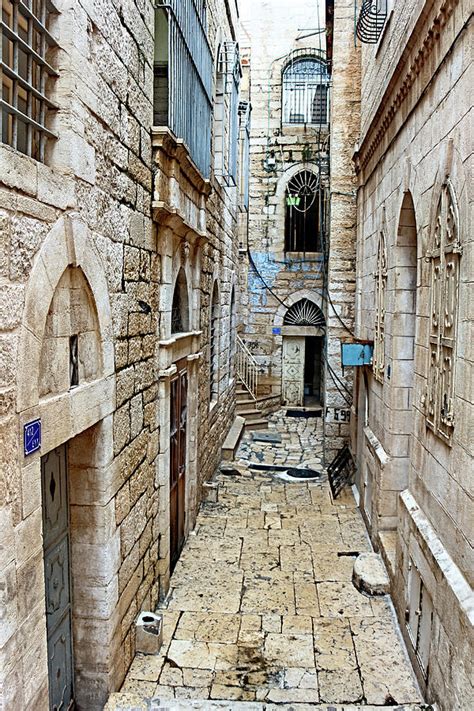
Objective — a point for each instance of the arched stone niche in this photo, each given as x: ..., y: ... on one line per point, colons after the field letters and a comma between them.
x: 67, y: 289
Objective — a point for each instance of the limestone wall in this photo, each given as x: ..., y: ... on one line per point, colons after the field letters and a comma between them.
x: 345, y: 108
x: 413, y: 143
x: 80, y: 253
x: 272, y: 34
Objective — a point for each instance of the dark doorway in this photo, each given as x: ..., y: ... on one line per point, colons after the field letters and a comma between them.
x: 178, y: 427
x: 312, y: 371
x: 54, y: 486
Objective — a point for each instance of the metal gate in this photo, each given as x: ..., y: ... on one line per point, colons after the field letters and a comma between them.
x: 57, y: 578
x: 178, y: 428
x: 293, y: 370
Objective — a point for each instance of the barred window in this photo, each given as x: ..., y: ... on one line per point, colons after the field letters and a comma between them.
x: 25, y: 69
x: 214, y: 345
x: 380, y: 297
x: 226, y: 124
x: 305, y: 213
x: 183, y: 69
x: 305, y: 92
x: 443, y: 255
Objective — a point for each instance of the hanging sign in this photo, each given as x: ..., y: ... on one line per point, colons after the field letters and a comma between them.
x: 31, y: 437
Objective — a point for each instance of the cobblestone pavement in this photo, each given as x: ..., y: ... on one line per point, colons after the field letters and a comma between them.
x: 261, y: 606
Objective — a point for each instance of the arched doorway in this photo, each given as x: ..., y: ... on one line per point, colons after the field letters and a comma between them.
x: 303, y: 347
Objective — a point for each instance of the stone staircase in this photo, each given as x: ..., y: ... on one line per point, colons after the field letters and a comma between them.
x: 246, y: 406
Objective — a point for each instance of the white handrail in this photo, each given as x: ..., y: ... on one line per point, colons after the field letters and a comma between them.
x: 247, y: 367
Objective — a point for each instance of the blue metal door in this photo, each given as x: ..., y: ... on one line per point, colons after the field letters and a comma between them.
x: 57, y: 578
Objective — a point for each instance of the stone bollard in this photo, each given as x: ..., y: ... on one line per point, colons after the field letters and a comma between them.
x: 369, y: 574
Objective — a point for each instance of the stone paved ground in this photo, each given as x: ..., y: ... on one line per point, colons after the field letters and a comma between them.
x: 262, y: 607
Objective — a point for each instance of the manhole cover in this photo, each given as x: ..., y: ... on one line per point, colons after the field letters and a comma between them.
x: 303, y: 473
x: 266, y: 437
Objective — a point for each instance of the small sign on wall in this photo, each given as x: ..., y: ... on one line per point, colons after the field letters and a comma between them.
x: 337, y: 414
x: 32, y: 437
x: 276, y: 331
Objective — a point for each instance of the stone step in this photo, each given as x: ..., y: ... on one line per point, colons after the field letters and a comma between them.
x: 134, y: 702
x: 247, y: 402
x: 256, y: 424
x: 249, y: 412
x: 232, y: 440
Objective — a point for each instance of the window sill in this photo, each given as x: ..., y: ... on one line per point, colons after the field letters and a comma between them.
x: 303, y: 256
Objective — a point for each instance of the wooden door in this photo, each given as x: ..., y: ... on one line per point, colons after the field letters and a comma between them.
x: 293, y: 370
x: 178, y: 433
x: 57, y: 578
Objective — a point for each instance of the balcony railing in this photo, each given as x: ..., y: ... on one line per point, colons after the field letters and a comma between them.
x: 371, y: 20
x: 187, y: 79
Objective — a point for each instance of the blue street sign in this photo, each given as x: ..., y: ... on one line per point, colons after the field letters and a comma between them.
x: 276, y: 331
x: 32, y: 437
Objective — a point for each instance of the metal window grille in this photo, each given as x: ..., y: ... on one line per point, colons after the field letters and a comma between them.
x: 244, y: 114
x: 230, y: 73
x: 371, y: 20
x: 189, y: 78
x: 306, y: 92
x: 25, y: 69
x: 214, y: 336
x: 305, y: 213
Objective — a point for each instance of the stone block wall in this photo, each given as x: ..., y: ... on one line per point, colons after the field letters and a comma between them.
x: 415, y: 117
x: 80, y: 254
x: 274, y: 276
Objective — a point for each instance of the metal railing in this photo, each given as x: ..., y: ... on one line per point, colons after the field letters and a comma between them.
x: 371, y: 20
x: 189, y: 78
x: 246, y: 367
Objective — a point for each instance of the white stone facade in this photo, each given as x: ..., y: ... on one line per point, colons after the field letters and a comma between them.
x: 91, y: 244
x: 413, y: 435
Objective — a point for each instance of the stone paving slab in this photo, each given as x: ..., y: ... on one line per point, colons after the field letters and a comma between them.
x: 132, y: 702
x: 262, y: 609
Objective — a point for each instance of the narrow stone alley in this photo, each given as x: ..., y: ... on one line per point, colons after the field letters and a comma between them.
x: 262, y: 607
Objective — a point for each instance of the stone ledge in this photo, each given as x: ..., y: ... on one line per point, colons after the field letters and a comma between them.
x: 232, y: 440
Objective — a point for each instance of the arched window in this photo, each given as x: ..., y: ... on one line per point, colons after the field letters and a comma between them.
x: 180, y: 305
x: 443, y: 255
x: 304, y: 313
x: 214, y: 345
x: 305, y: 212
x: 380, y: 292
x: 305, y: 92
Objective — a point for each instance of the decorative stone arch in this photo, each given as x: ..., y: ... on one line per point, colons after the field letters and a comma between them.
x: 312, y: 296
x: 67, y: 244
